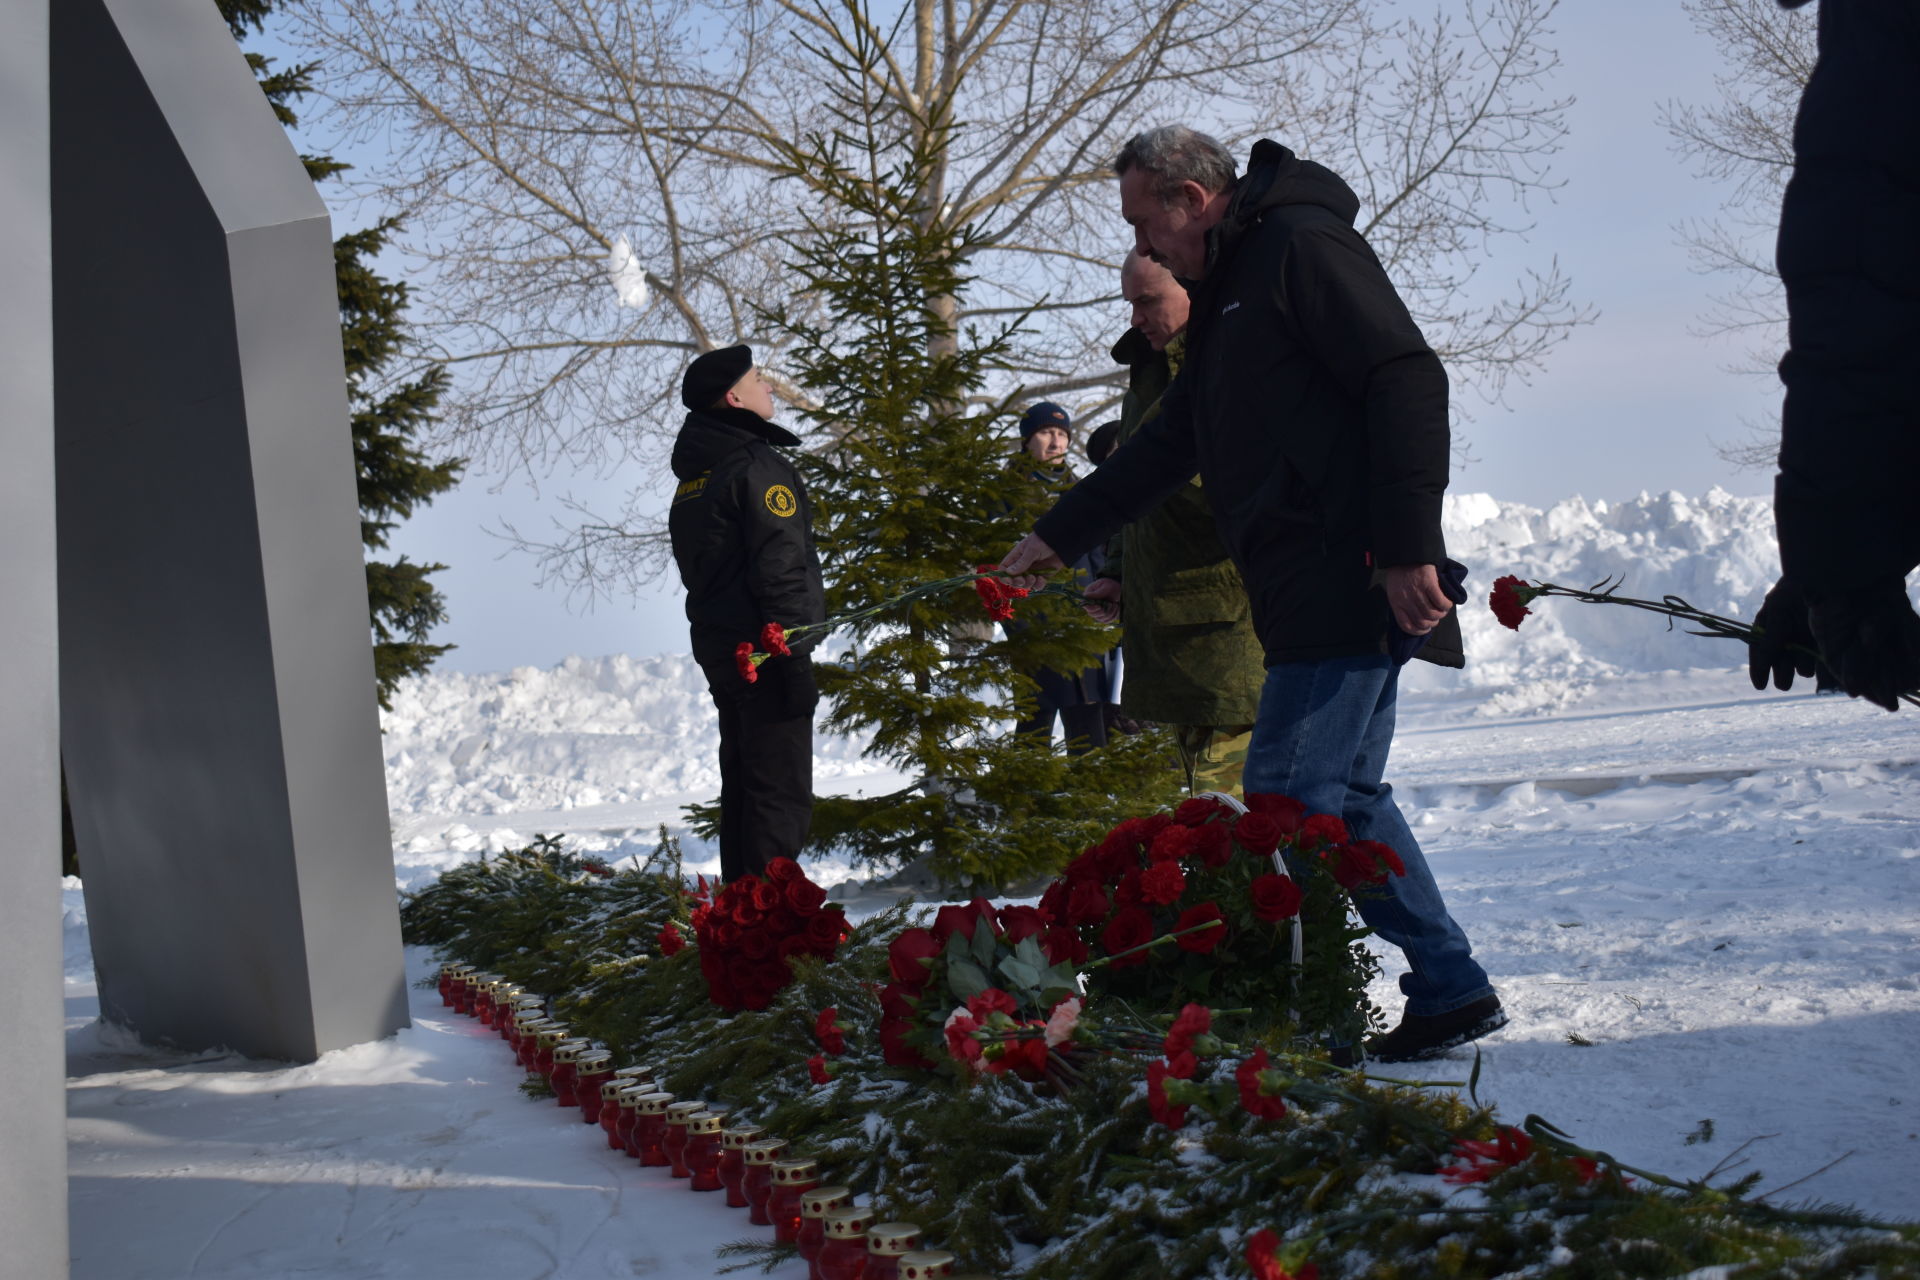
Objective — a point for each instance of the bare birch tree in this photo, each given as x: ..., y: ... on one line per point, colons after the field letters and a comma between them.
x: 526, y: 138
x: 1745, y: 141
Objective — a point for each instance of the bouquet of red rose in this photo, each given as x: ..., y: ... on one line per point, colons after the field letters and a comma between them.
x: 1233, y: 887
x: 755, y: 925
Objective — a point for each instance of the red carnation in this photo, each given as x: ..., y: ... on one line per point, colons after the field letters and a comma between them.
x: 1213, y: 845
x: 1163, y: 1111
x: 1254, y: 1102
x: 960, y: 1042
x: 1086, y: 904
x: 1025, y: 1056
x: 989, y: 1002
x: 671, y: 941
x: 995, y: 594
x: 1193, y: 1020
x: 1201, y: 941
x: 1284, y: 810
x: 1479, y: 1161
x: 826, y: 1029
x: 1265, y: 1265
x: 1019, y: 923
x: 817, y: 1068
x: 773, y: 638
x: 1275, y: 897
x: 743, y: 662
x: 1163, y: 882
x: 910, y: 956
x: 1191, y: 813
x: 1130, y: 928
x: 1506, y: 601
x: 1325, y: 828
x: 1257, y: 833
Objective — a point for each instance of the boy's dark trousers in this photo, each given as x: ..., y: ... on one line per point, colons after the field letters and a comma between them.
x: 766, y: 762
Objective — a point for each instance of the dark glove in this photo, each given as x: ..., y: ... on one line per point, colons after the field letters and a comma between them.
x: 1871, y: 639
x: 1782, y: 623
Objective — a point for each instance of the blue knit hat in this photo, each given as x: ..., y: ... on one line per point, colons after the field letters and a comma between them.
x: 1044, y: 414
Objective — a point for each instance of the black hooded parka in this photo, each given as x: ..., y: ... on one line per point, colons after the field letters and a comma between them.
x: 1314, y: 412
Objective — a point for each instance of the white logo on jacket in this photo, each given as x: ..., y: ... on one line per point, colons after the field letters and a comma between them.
x: 1231, y: 306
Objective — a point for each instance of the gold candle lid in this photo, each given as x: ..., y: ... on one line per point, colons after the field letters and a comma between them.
x: 788, y: 1172
x: 893, y: 1239
x: 652, y: 1104
x: 456, y: 969
x: 502, y: 988
x: 740, y: 1135
x: 766, y: 1150
x: 611, y: 1090
x: 553, y: 1033
x: 926, y: 1264
x: 526, y: 1001
x: 820, y: 1201
x: 848, y: 1223
x: 531, y: 1023
x: 596, y: 1061
x: 629, y: 1095
x: 570, y: 1050
x: 633, y: 1073
x: 679, y: 1112
x: 703, y: 1122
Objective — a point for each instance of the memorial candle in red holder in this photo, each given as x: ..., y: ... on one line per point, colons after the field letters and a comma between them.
x: 594, y: 1069
x: 566, y: 1070
x: 703, y: 1150
x: 926, y: 1264
x: 625, y: 1105
x: 844, y: 1254
x: 733, y: 1160
x: 550, y: 1037
x: 463, y: 992
x: 887, y: 1243
x: 815, y: 1205
x: 526, y: 1037
x: 757, y: 1183
x: 523, y: 1003
x: 450, y: 974
x: 675, y: 1143
x: 650, y: 1130
x: 791, y: 1180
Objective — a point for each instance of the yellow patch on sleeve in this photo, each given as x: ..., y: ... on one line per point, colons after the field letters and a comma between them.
x: 691, y: 488
x: 781, y: 502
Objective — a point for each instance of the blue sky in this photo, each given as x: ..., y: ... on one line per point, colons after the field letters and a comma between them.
x: 1631, y: 402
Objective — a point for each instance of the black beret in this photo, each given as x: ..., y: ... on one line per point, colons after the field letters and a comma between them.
x: 712, y: 375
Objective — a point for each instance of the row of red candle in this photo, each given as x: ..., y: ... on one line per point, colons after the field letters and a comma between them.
x: 690, y: 1139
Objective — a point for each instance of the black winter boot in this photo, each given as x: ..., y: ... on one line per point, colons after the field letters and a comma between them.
x: 1419, y: 1037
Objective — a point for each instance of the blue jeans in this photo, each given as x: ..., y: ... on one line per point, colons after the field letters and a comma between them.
x: 1322, y: 738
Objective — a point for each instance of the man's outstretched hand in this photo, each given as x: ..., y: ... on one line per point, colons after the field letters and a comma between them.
x: 1102, y: 598
x: 1418, y: 603
x: 1029, y: 562
x: 1785, y: 645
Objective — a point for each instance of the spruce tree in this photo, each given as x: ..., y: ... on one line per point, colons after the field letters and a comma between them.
x: 392, y: 474
x: 920, y: 481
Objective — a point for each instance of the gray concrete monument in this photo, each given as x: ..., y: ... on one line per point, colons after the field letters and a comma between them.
x: 217, y: 707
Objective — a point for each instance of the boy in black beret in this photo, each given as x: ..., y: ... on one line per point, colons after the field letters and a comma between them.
x: 742, y: 537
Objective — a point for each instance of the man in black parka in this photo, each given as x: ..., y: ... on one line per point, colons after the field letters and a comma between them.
x: 1316, y: 416
x: 1849, y: 256
x: 742, y: 536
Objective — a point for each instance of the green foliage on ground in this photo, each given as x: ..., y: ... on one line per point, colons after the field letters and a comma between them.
x: 1020, y: 1179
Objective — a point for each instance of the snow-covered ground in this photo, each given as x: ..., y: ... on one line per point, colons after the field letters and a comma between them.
x: 1717, y: 891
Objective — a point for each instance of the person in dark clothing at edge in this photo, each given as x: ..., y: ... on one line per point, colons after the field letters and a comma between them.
x: 743, y: 539
x: 1843, y: 502
x: 1078, y: 701
x: 1316, y: 415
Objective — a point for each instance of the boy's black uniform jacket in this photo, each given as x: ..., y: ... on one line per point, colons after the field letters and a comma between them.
x: 1314, y: 412
x: 742, y: 535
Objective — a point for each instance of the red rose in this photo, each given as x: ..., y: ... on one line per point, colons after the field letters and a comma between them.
x: 1284, y: 810
x: 1192, y: 1020
x: 1172, y: 844
x: 726, y: 935
x: 825, y: 929
x: 1084, y: 867
x: 1256, y: 1103
x: 1063, y: 945
x: 743, y: 661
x: 1506, y: 602
x: 1213, y: 845
x: 1201, y: 941
x: 1382, y: 856
x: 1127, y: 892
x: 1053, y: 903
x: 1275, y: 897
x: 950, y: 920
x: 989, y: 1002
x: 1323, y: 827
x: 910, y: 957
x: 773, y: 638
x: 1257, y: 833
x: 1087, y: 904
x: 804, y: 896
x: 826, y: 1029
x: 894, y: 1048
x: 784, y: 871
x: 1022, y: 922
x: 1131, y: 928
x: 792, y: 945
x: 756, y: 944
x: 1163, y: 882
x: 1191, y: 813
x: 817, y: 1068
x: 1163, y: 1112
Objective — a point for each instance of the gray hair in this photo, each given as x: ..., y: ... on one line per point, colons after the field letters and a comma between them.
x: 1175, y: 154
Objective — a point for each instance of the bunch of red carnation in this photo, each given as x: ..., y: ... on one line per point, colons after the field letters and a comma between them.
x: 956, y: 963
x: 1207, y: 874
x: 755, y: 925
x: 995, y: 594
